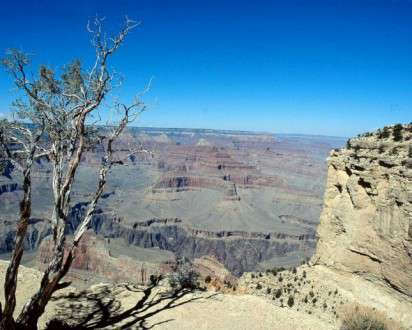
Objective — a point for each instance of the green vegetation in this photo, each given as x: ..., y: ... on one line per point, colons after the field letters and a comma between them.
x: 278, y: 293
x: 184, y: 277
x: 291, y: 301
x: 384, y: 133
x: 397, y: 132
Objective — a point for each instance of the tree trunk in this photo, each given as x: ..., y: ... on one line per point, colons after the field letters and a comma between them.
x: 10, y: 283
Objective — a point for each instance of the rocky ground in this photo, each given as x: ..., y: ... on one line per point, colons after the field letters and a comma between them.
x: 193, y: 310
x: 324, y: 293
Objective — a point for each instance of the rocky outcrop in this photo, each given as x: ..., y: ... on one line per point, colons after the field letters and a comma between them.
x: 211, y: 270
x: 176, y: 183
x: 363, y: 256
x: 239, y: 251
x: 232, y: 249
x: 366, y: 222
x: 94, y: 263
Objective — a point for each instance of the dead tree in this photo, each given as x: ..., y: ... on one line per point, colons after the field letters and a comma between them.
x: 60, y: 108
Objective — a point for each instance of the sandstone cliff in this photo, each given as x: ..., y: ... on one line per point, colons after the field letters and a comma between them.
x: 366, y: 222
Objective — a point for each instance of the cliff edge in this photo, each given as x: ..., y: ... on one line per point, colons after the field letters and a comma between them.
x: 366, y: 223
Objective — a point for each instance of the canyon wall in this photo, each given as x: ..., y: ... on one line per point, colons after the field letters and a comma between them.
x: 238, y: 251
x: 366, y: 223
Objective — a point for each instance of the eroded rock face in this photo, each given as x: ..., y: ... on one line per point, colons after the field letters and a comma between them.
x: 233, y: 249
x: 366, y: 222
x: 94, y: 263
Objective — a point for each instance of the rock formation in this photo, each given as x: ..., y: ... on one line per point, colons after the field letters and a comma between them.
x: 364, y: 250
x: 94, y: 262
x: 366, y: 222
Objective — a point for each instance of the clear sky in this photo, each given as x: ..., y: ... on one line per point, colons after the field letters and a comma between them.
x: 312, y: 67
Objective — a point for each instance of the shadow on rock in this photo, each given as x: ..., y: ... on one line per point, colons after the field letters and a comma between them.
x: 122, y: 306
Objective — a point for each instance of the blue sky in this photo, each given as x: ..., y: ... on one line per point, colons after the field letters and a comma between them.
x: 312, y: 67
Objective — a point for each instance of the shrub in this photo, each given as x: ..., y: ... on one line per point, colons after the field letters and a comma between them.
x: 410, y: 151
x: 291, y: 301
x: 384, y: 133
x: 184, y: 277
x: 294, y: 270
x: 154, y: 279
x: 278, y: 293
x: 208, y: 279
x: 280, y: 279
x: 311, y: 293
x: 304, y: 274
x: 397, y: 132
x: 394, y: 151
x: 365, y: 318
x: 268, y: 290
x: 258, y: 286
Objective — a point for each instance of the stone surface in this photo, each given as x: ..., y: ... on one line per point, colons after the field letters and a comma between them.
x: 95, y: 262
x: 366, y: 223
x: 365, y: 241
x: 199, y: 310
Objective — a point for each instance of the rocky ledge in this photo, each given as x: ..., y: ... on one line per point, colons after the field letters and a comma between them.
x: 366, y: 222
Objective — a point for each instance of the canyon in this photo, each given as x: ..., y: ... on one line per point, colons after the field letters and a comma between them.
x: 250, y: 200
x: 362, y: 256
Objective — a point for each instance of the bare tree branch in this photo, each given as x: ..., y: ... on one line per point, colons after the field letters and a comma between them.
x: 60, y: 108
